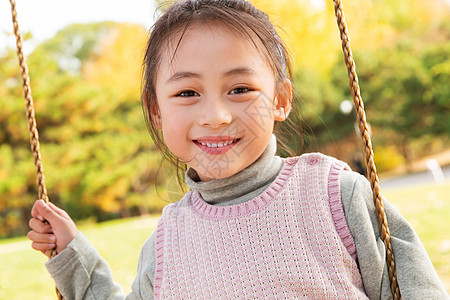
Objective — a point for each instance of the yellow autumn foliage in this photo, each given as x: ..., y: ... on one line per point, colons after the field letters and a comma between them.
x: 119, y: 60
x: 310, y: 30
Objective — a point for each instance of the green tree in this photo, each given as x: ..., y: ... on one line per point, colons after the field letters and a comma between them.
x: 405, y: 88
x: 99, y: 161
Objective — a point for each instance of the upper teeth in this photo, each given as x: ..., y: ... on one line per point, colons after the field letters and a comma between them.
x: 215, y: 145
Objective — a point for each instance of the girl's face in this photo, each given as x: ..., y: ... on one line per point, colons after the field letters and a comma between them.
x: 217, y: 100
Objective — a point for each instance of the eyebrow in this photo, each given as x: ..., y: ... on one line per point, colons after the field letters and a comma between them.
x: 240, y: 71
x: 237, y: 71
x: 181, y: 75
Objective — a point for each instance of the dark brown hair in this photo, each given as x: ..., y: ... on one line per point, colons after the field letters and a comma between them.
x: 238, y: 15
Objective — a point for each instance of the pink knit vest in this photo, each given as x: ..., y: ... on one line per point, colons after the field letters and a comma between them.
x: 290, y: 242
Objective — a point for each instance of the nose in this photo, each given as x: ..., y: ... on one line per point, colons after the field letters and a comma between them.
x: 215, y: 112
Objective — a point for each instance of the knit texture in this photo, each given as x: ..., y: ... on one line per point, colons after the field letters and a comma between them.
x: 288, y: 243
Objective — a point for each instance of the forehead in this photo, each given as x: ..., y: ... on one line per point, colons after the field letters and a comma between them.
x: 198, y: 38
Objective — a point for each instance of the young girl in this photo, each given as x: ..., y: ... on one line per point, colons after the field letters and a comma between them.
x: 253, y: 225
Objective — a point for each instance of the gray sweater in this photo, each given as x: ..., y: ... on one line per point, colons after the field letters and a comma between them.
x: 80, y: 273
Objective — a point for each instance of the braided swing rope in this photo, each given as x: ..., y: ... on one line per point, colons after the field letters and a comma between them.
x: 367, y: 147
x: 34, y: 136
x: 32, y: 126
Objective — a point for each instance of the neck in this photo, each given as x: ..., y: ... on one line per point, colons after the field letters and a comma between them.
x: 241, y: 186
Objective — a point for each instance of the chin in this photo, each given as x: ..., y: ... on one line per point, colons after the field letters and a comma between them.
x: 217, y: 174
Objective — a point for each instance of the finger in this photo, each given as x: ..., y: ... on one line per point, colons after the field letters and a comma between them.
x: 35, y: 210
x: 58, y: 210
x: 47, y: 212
x: 40, y: 226
x: 41, y: 237
x: 44, y: 247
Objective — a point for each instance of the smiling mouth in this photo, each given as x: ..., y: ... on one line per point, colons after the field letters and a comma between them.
x: 216, y: 145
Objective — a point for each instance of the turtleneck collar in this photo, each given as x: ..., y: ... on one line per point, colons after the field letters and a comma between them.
x: 241, y: 186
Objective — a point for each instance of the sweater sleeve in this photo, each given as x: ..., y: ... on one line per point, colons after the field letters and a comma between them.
x: 416, y: 275
x: 146, y: 270
x: 80, y: 272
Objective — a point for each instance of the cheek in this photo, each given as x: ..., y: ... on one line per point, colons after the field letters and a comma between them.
x: 175, y: 133
x: 259, y: 115
x: 172, y: 141
x: 174, y: 119
x: 170, y: 130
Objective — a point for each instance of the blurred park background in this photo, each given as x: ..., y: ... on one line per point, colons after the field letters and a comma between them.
x: 101, y: 165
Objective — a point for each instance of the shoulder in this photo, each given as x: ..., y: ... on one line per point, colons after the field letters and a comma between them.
x: 325, y: 170
x: 357, y: 201
x: 178, y: 205
x: 354, y: 185
x: 350, y: 183
x: 314, y: 157
x: 318, y: 159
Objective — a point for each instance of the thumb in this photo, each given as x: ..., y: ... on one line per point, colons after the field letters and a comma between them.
x: 61, y: 224
x: 47, y: 212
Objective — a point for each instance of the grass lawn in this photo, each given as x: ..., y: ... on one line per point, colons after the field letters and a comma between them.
x: 23, y: 275
x: 427, y: 208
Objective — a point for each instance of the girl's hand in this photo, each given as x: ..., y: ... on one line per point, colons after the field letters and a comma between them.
x: 59, y: 230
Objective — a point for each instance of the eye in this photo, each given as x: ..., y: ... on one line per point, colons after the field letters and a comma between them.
x: 187, y: 93
x: 240, y: 90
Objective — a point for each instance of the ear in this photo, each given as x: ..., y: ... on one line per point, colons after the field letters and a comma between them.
x: 283, y: 101
x: 152, y: 110
x: 155, y: 116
